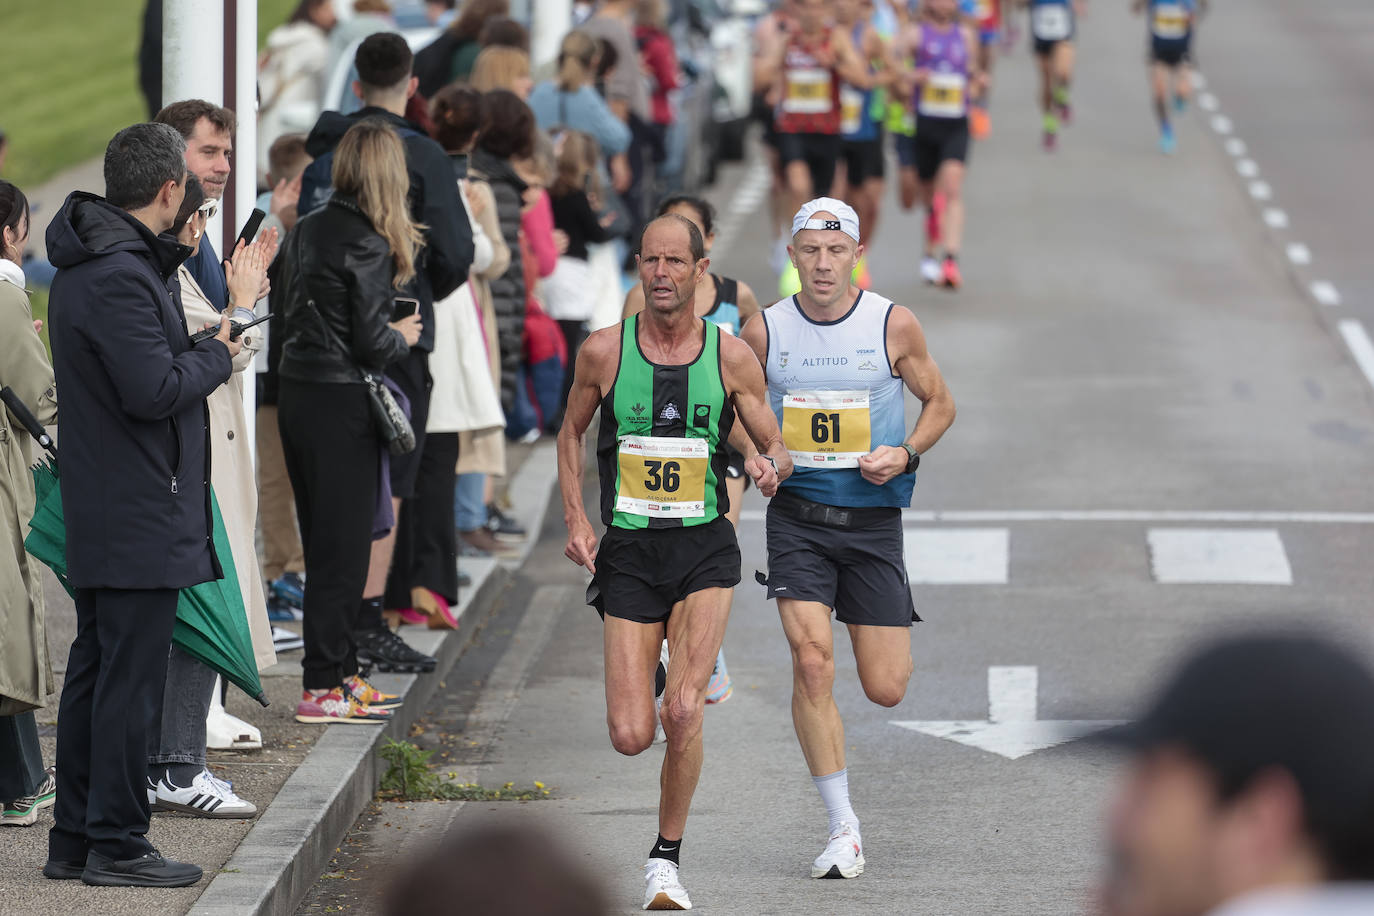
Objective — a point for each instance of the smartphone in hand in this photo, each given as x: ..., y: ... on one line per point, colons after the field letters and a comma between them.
x: 404, y: 307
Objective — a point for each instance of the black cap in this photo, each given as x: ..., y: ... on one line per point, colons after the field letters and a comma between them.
x: 1293, y: 702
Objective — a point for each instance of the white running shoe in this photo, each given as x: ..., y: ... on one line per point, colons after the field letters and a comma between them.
x: 843, y: 856
x: 662, y: 889
x: 207, y: 796
x: 930, y: 270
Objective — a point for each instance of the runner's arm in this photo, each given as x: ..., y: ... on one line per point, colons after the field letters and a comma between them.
x: 849, y: 65
x: 906, y: 346
x: 595, y: 356
x: 745, y: 384
x: 634, y: 302
x: 906, y: 340
x: 976, y: 77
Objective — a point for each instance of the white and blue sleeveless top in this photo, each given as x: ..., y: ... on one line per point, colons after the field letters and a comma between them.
x: 837, y: 398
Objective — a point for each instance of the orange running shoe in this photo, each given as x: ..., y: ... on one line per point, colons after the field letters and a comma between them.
x: 952, y: 278
x: 979, y: 123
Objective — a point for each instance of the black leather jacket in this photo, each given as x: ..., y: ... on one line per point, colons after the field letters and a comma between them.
x: 346, y: 269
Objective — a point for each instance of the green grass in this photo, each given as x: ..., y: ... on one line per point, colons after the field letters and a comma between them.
x: 71, y: 79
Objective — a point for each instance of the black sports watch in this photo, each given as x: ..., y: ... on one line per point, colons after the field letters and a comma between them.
x: 913, y: 459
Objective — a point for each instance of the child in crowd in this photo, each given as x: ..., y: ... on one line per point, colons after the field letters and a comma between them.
x: 568, y: 292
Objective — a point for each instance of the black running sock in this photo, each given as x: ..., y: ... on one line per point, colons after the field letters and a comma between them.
x: 177, y: 775
x: 666, y: 849
x: 370, y: 614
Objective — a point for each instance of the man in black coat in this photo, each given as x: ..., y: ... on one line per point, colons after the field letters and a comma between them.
x: 135, y: 495
x: 385, y: 85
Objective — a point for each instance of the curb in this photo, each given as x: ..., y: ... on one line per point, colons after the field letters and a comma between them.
x: 292, y: 841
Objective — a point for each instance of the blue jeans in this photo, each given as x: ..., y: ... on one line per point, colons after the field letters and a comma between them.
x: 469, y: 508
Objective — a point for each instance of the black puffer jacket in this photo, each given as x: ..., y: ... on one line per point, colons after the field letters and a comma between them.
x: 135, y: 427
x: 346, y: 270
x: 507, y: 290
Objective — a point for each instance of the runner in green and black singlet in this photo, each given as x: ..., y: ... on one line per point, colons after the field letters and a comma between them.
x: 669, y: 386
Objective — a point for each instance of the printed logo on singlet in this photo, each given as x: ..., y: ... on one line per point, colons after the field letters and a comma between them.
x: 782, y: 359
x: 670, y: 412
x: 868, y: 365
x: 815, y: 361
x: 701, y: 415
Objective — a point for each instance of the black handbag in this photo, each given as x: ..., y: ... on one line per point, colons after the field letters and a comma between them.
x: 393, y: 426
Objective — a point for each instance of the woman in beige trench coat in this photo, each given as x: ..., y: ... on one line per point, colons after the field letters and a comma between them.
x: 25, y: 670
x: 178, y: 779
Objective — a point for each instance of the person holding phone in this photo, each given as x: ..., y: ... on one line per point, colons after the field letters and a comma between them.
x: 178, y: 779
x: 338, y: 280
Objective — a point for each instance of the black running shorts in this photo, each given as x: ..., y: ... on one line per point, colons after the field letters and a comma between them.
x: 863, y: 159
x: 939, y: 140
x: 641, y: 574
x: 820, y: 152
x: 1170, y: 53
x: 860, y: 573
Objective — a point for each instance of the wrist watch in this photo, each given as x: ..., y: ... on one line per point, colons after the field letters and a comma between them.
x: 913, y: 460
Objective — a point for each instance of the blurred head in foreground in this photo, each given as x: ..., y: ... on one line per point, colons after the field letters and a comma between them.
x: 496, y: 871
x: 1252, y: 776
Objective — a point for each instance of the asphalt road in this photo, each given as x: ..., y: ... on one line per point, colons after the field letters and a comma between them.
x: 1160, y: 437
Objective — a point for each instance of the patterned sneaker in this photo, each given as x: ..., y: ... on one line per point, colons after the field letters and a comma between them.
x: 843, y: 856
x: 503, y: 527
x: 663, y: 889
x: 23, y: 812
x: 368, y: 695
x: 337, y: 707
x: 206, y: 796
x: 719, y: 687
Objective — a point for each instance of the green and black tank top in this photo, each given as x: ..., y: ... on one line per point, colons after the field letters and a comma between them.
x: 661, y: 450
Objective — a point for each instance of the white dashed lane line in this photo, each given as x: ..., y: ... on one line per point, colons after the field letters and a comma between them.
x: 1324, y: 292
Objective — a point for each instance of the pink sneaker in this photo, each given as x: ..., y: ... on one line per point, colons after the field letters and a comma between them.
x: 337, y: 707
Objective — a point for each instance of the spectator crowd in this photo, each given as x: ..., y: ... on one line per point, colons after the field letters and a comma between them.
x: 433, y: 253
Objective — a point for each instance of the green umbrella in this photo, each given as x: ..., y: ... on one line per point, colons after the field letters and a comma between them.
x: 211, y: 624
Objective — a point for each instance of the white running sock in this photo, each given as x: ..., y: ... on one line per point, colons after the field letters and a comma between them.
x: 834, y: 790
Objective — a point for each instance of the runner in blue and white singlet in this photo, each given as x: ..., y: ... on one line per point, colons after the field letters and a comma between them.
x: 838, y: 361
x: 1171, y: 24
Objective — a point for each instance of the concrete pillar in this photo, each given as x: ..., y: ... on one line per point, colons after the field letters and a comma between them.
x: 549, y: 22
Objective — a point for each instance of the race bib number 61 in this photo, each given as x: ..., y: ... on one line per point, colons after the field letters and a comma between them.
x: 826, y: 429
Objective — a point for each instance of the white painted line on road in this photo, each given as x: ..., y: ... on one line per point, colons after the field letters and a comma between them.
x: 1260, y: 190
x: 1299, y: 253
x: 911, y: 517
x: 1011, y: 729
x: 1275, y: 218
x: 1221, y: 124
x: 1207, y: 102
x: 1361, y: 347
x: 960, y: 556
x: 1235, y: 146
x: 1325, y: 293
x: 1012, y: 693
x: 1214, y: 556
x: 1247, y: 168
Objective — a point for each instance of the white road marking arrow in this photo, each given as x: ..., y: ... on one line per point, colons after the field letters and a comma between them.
x: 1011, y: 729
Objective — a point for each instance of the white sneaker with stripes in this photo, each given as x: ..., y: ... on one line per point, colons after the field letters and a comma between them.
x: 207, y: 796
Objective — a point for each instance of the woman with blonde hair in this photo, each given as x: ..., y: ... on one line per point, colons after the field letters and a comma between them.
x: 500, y: 67
x: 339, y: 277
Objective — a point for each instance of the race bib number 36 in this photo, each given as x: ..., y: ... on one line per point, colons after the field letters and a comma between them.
x: 663, y: 477
x: 826, y: 429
